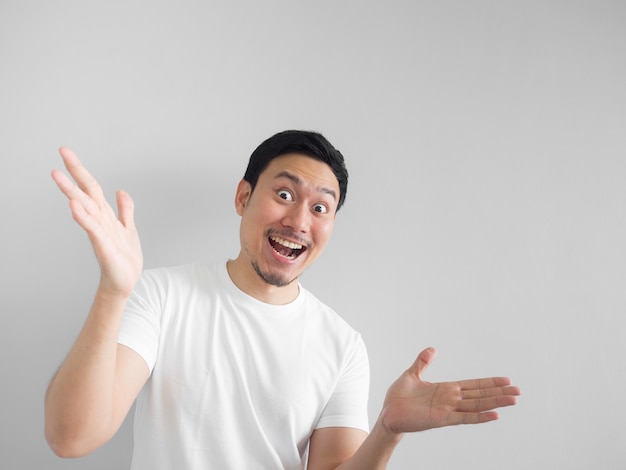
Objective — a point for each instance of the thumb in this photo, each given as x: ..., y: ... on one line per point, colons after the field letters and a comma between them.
x: 424, y: 359
x: 125, y: 209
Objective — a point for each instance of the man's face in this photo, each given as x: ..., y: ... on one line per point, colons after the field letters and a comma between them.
x: 288, y: 218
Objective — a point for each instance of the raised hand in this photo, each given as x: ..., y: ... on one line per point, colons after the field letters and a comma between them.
x: 412, y: 404
x: 114, y: 239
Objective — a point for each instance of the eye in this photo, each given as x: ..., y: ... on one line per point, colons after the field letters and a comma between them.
x: 321, y: 208
x: 284, y: 194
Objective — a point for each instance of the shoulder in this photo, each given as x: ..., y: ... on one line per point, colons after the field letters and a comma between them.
x: 323, y: 311
x: 183, y: 271
x: 333, y: 327
x: 161, y: 283
x: 184, y: 274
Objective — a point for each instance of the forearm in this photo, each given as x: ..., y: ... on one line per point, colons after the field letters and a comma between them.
x: 79, y: 403
x: 375, y: 451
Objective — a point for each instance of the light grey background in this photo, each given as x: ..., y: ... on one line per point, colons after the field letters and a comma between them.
x: 485, y: 214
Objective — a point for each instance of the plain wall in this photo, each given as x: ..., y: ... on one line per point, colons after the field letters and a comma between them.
x: 486, y: 213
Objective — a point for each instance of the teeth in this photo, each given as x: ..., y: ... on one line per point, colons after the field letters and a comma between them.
x: 287, y: 243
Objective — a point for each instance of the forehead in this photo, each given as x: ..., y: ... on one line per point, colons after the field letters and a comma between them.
x: 303, y: 170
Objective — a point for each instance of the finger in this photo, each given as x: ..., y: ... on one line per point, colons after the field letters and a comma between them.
x: 491, y: 382
x: 479, y: 405
x: 86, y: 221
x: 72, y: 191
x: 63, y: 182
x: 490, y: 392
x: 424, y: 359
x: 85, y: 181
x: 125, y: 209
x: 472, y: 418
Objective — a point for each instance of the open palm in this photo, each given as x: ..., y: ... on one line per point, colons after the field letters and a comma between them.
x: 412, y: 404
x: 114, y: 238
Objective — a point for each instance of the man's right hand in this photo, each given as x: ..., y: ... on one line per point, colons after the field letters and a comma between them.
x: 114, y: 239
x: 93, y: 390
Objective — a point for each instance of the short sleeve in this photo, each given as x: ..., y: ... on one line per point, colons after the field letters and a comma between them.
x: 347, y: 406
x: 140, y: 325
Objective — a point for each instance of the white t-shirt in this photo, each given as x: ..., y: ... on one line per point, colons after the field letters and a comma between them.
x: 237, y: 383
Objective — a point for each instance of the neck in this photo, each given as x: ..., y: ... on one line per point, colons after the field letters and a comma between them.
x: 247, y: 280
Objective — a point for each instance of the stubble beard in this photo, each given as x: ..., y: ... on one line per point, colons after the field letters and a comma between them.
x: 270, y: 278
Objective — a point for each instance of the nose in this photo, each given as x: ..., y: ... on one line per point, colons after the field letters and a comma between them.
x: 298, y: 218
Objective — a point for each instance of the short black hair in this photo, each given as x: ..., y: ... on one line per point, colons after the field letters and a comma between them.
x: 309, y: 143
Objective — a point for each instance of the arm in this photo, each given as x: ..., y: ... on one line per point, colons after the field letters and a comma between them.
x: 93, y: 390
x: 410, y: 405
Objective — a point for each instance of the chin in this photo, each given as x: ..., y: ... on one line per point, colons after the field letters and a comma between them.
x: 273, y: 279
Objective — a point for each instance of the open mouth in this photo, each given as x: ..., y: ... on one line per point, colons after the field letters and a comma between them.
x: 285, y: 248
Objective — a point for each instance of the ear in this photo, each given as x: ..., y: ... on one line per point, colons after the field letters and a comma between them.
x: 242, y: 196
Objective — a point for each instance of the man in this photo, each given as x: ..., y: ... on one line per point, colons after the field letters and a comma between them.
x: 236, y: 365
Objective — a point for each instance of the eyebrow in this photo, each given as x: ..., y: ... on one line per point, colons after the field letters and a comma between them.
x: 296, y: 180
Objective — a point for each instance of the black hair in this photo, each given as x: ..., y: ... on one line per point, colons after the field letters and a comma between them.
x: 311, y: 144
